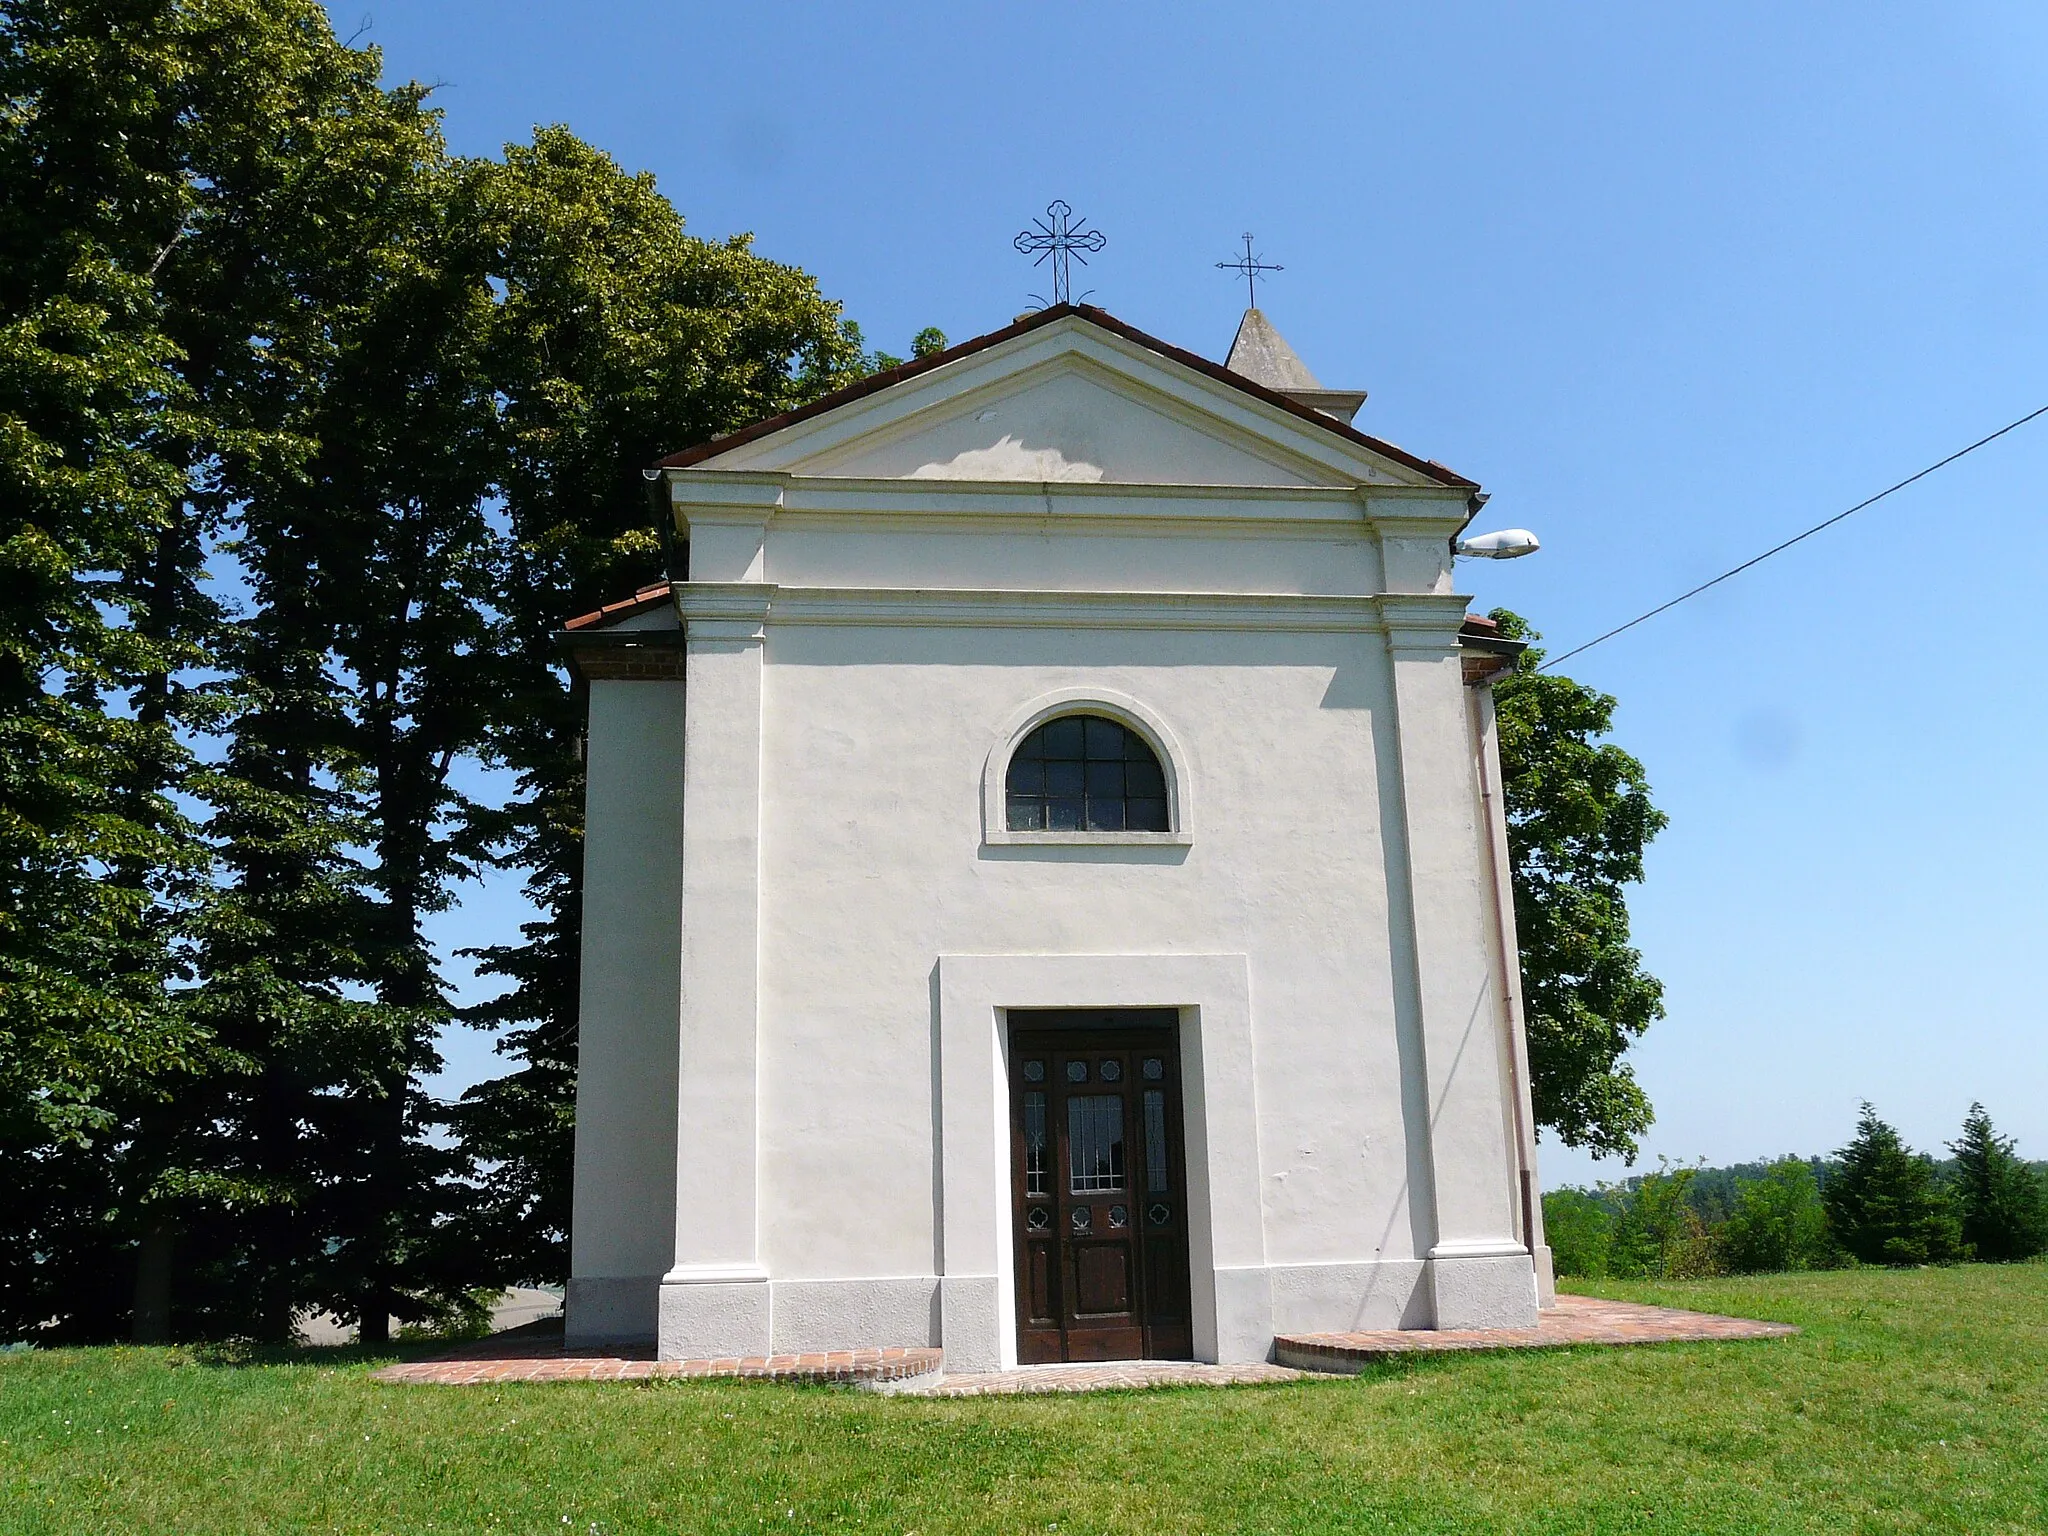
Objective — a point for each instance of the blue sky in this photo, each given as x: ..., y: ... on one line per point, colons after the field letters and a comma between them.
x: 1672, y: 282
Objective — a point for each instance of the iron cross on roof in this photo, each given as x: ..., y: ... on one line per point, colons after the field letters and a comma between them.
x: 1059, y: 235
x: 1250, y: 266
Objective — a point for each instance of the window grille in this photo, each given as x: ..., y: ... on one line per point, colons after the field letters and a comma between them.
x: 1082, y: 773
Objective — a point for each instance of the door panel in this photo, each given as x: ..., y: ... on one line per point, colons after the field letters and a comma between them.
x: 1098, y: 1173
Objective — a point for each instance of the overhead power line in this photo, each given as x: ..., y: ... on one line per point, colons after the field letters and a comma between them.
x: 1778, y: 549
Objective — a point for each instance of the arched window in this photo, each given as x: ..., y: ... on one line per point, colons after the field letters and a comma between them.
x: 1083, y: 773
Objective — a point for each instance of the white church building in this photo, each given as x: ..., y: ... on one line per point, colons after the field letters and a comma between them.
x: 1046, y: 885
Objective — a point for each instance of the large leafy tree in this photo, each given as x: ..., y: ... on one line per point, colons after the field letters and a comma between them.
x: 235, y: 266
x: 101, y: 614
x: 310, y: 201
x: 1579, y: 817
x: 257, y: 325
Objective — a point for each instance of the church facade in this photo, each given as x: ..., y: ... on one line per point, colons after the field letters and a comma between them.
x: 1046, y: 879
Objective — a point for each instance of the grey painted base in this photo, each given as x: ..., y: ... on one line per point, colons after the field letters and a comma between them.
x: 1546, y: 1279
x: 971, y: 1322
x: 817, y: 1315
x: 962, y: 1313
x: 1484, y: 1292
x: 611, y: 1311
x: 1351, y: 1298
x: 712, y: 1320
x: 1244, y: 1318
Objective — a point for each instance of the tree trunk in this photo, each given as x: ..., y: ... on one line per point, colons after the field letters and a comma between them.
x: 152, y: 1323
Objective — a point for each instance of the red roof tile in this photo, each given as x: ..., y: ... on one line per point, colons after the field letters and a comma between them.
x: 652, y: 596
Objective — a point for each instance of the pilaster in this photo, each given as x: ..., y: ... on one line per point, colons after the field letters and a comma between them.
x: 1481, y: 1273
x: 715, y: 1298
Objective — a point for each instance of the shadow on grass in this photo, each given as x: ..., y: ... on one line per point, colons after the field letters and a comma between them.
x: 242, y: 1354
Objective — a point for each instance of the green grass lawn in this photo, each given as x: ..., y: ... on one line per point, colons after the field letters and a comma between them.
x: 1914, y: 1401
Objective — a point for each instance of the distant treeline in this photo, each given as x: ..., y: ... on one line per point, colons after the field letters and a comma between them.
x: 1876, y: 1201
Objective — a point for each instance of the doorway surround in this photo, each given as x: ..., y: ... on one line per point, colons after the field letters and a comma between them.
x: 1231, y: 1289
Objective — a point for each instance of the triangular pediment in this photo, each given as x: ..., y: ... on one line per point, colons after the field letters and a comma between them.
x: 1070, y: 401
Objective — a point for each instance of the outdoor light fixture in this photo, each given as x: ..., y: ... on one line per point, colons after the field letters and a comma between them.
x: 1507, y: 544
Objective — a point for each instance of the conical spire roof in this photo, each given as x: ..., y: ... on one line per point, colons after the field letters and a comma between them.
x: 1260, y: 353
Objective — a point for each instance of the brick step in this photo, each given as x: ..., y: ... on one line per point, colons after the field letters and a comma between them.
x: 1574, y: 1320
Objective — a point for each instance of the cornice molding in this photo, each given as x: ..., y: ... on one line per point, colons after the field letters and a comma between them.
x: 724, y: 610
x: 1426, y: 620
x: 1024, y: 609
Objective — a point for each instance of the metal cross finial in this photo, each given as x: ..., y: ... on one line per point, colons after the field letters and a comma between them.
x: 1250, y: 266
x: 1059, y: 235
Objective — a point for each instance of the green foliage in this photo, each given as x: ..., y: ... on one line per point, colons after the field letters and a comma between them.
x: 1579, y: 1226
x: 256, y: 321
x: 1884, y: 1203
x: 1658, y: 1235
x: 94, y: 423
x: 2002, y: 1202
x: 1579, y: 816
x: 1778, y: 1223
x: 926, y: 342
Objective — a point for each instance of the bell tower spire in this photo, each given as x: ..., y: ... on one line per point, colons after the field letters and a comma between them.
x: 1261, y: 354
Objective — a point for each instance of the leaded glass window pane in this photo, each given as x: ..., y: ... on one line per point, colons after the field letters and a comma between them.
x: 1037, y: 1167
x: 1062, y: 738
x: 1085, y: 773
x: 1155, y: 1141
x: 1095, y: 1142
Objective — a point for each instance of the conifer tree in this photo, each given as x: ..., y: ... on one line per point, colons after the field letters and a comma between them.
x: 2002, y: 1201
x: 1885, y: 1204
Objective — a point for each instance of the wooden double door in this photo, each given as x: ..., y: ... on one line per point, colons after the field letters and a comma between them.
x: 1099, y: 1186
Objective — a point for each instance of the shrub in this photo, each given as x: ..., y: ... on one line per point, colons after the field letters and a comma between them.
x: 1658, y: 1235
x: 1579, y: 1225
x: 1778, y: 1223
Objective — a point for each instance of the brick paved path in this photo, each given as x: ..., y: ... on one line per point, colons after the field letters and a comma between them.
x: 1577, y: 1320
x: 1120, y: 1375
x: 540, y: 1360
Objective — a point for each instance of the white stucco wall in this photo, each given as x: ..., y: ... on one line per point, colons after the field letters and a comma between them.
x: 859, y: 647
x: 622, y: 1236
